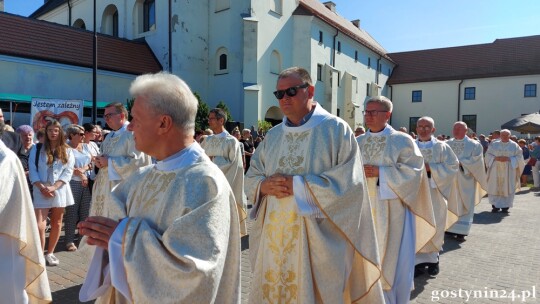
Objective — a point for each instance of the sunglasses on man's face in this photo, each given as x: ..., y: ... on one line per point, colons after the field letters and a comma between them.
x: 291, y: 92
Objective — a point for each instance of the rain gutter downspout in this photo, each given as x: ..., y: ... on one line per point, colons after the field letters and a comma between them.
x: 334, y: 49
x: 459, y: 100
x: 69, y: 12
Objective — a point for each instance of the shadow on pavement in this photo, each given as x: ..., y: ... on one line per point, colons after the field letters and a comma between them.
x: 419, y: 284
x: 68, y: 296
x: 450, y: 244
x: 487, y: 217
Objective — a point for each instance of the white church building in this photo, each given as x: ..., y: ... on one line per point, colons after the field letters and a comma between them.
x: 233, y: 50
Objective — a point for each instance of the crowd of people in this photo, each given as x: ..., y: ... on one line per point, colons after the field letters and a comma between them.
x: 337, y: 216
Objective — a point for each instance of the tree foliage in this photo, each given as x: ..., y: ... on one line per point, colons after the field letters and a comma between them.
x: 224, y: 107
x: 201, y: 120
x: 264, y: 125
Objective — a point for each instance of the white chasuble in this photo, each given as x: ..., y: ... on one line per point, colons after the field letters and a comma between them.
x: 23, y: 277
x: 313, y: 259
x: 225, y: 151
x: 124, y: 159
x: 444, y: 167
x: 472, y: 180
x: 402, y: 173
x: 503, y: 177
x: 181, y: 241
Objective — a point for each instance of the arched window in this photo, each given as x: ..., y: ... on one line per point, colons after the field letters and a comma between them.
x: 149, y: 13
x: 275, y: 62
x: 79, y: 23
x: 222, y: 5
x: 109, y: 21
x: 222, y: 61
x: 276, y: 6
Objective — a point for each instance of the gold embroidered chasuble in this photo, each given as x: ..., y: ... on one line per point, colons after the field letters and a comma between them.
x: 472, y: 178
x: 125, y: 159
x: 226, y: 152
x: 309, y: 259
x: 503, y: 178
x: 444, y: 167
x: 182, y: 241
x: 18, y: 223
x: 403, y: 165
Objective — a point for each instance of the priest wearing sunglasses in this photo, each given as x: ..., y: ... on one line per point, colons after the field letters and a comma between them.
x: 313, y: 240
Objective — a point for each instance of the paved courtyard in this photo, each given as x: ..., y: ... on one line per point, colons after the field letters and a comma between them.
x: 499, y: 262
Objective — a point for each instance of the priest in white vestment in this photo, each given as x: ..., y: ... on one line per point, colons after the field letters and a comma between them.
x: 472, y: 180
x: 23, y: 278
x: 173, y: 232
x: 504, y: 162
x: 118, y: 159
x: 442, y: 167
x: 313, y: 239
x: 226, y: 152
x: 399, y: 192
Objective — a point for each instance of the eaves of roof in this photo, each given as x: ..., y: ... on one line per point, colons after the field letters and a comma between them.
x: 42, y: 40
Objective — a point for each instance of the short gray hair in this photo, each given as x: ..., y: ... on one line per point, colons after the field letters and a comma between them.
x: 299, y: 72
x: 167, y: 94
x: 461, y: 123
x: 506, y: 131
x: 428, y: 119
x: 220, y: 114
x: 382, y: 100
x: 73, y: 129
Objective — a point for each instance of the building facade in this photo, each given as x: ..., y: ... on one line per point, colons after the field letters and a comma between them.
x: 233, y: 50
x: 483, y: 85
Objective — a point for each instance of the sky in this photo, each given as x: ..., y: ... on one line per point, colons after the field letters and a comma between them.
x: 408, y: 25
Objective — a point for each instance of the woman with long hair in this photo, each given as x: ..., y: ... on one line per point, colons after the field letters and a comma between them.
x: 51, y: 179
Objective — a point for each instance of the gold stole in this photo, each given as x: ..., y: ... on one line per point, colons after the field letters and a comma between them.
x: 281, y: 267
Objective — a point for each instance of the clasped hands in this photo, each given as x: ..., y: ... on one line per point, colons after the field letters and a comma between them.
x: 278, y: 185
x: 502, y: 158
x: 101, y: 161
x: 371, y: 171
x: 98, y: 229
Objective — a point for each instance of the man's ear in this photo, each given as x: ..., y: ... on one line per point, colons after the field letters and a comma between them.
x: 166, y: 124
x: 311, y: 91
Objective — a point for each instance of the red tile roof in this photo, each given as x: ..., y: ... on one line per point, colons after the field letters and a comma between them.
x: 503, y: 57
x: 345, y: 26
x: 42, y: 40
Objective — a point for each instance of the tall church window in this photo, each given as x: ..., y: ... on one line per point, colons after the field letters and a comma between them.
x: 79, y: 23
x: 275, y: 62
x: 276, y: 6
x: 222, y: 5
x: 149, y: 15
x: 222, y: 61
x: 109, y: 21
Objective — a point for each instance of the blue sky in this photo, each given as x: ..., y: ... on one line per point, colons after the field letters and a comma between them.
x: 400, y: 25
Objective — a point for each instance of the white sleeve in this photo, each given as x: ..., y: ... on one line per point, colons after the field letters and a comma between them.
x: 304, y: 200
x: 384, y: 191
x: 118, y: 271
x: 98, y: 278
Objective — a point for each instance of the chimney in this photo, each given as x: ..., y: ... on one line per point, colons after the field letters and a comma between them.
x: 330, y: 5
x: 1, y: 5
x: 356, y: 22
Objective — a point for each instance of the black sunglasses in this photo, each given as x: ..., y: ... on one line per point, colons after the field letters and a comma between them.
x: 291, y: 92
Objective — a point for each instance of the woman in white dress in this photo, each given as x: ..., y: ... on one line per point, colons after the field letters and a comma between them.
x: 51, y: 179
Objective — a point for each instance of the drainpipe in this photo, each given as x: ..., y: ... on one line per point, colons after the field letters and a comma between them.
x: 334, y: 49
x: 170, y: 36
x: 459, y: 100
x: 69, y: 12
x: 378, y: 71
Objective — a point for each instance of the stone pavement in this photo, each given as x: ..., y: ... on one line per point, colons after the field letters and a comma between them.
x: 500, y: 259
